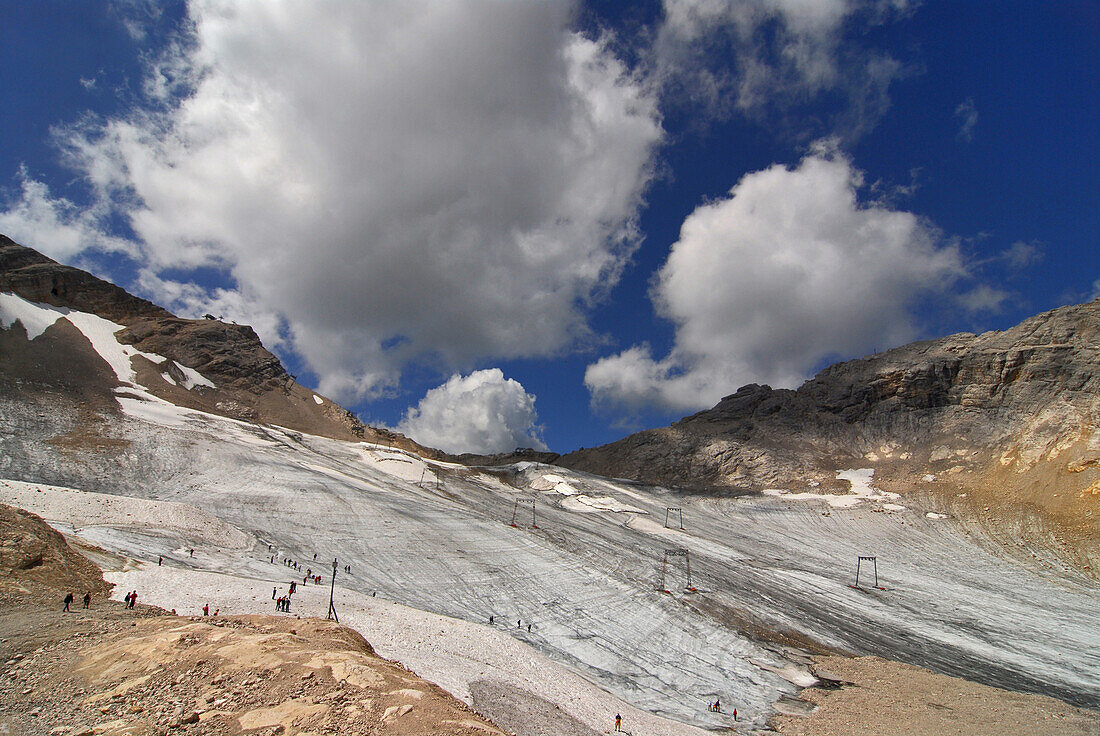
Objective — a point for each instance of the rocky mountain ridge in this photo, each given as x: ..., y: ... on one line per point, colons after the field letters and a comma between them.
x: 1001, y: 427
x: 250, y: 383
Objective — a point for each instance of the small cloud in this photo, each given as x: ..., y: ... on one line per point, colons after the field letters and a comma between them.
x: 983, y: 298
x: 1095, y: 290
x: 967, y: 114
x: 88, y: 84
x: 138, y: 17
x: 1021, y: 254
x: 483, y: 412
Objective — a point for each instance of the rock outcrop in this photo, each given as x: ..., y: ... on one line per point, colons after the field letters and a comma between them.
x: 999, y: 427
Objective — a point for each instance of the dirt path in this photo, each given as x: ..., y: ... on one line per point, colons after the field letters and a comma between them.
x: 893, y: 699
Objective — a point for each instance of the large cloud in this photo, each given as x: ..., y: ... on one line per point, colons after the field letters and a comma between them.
x: 789, y: 270
x: 390, y: 182
x: 483, y: 412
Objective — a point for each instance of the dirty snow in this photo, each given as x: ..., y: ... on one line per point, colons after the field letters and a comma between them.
x: 862, y: 490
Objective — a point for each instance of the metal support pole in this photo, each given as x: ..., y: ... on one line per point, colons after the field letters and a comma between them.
x: 332, y: 589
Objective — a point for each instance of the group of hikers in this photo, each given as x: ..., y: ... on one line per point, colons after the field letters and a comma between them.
x: 130, y: 599
x: 716, y: 707
x: 70, y: 598
x: 282, y: 603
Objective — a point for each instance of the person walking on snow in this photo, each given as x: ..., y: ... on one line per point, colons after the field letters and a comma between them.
x: 273, y: 593
x: 68, y: 599
x: 87, y: 599
x: 618, y: 722
x: 206, y: 609
x: 133, y: 598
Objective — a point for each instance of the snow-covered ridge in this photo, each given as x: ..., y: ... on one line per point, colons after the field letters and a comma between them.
x: 36, y: 318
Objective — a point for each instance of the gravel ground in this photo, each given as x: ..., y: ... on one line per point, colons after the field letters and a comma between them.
x: 893, y: 699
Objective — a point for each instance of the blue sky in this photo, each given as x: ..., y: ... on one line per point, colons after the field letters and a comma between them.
x: 492, y: 224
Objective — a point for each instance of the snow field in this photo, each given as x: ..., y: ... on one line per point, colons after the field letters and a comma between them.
x: 36, y: 318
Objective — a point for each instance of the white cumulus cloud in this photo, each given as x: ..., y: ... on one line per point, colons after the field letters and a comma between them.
x: 386, y: 183
x: 790, y: 269
x: 483, y: 412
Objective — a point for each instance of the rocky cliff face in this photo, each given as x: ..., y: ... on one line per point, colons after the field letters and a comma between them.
x: 1000, y: 428
x: 249, y: 382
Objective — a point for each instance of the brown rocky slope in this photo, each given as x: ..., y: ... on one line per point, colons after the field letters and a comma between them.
x: 250, y: 382
x: 1000, y: 429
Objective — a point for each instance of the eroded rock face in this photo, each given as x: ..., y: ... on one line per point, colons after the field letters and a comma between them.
x: 32, y: 551
x: 1001, y: 417
x: 1028, y: 390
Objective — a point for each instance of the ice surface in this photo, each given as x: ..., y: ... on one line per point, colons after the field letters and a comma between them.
x: 437, y: 538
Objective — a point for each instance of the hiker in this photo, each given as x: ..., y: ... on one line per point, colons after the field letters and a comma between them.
x: 192, y: 551
x: 519, y: 624
x: 206, y: 609
x: 717, y: 706
x: 273, y: 592
x: 618, y: 722
x: 735, y: 714
x: 88, y: 599
x: 133, y: 598
x: 216, y: 611
x: 528, y: 628
x: 490, y: 620
x: 68, y: 599
x: 314, y: 555
x: 160, y: 561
